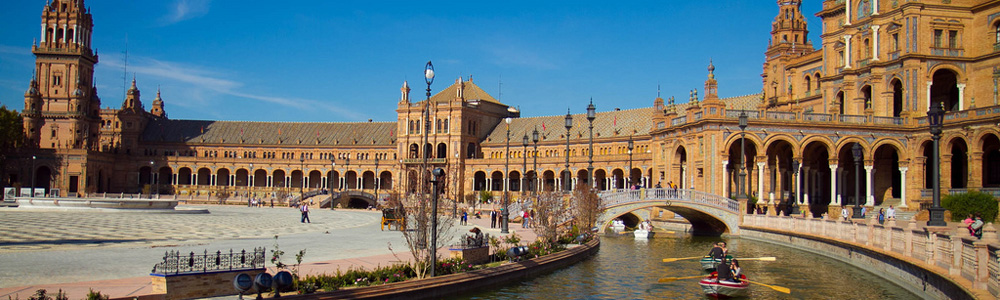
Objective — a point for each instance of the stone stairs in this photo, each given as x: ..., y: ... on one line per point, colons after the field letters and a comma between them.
x: 903, y: 215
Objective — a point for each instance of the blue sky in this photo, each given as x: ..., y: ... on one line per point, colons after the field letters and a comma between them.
x: 344, y: 61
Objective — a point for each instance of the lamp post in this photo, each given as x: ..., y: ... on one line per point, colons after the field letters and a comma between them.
x: 33, y: 158
x: 935, y: 117
x: 151, y: 179
x: 377, y: 179
x: 795, y: 193
x: 591, y: 115
x: 438, y: 172
x: 569, y: 125
x: 631, y: 145
x: 506, y: 170
x: 857, y: 151
x: 534, y: 155
x: 524, y: 165
x: 250, y: 182
x: 333, y: 164
x: 741, y: 195
x: 429, y: 79
x: 302, y: 178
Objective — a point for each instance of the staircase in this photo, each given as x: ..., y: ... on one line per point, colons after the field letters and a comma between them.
x: 901, y: 214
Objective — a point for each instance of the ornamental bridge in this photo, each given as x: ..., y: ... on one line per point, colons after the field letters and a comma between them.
x: 709, y: 214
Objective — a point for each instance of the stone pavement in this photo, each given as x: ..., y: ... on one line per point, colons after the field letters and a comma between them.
x: 113, y: 252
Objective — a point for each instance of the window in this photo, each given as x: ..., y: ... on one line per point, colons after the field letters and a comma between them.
x: 808, y: 83
x: 937, y: 37
x: 840, y: 56
x: 996, y: 32
x: 867, y: 49
x: 56, y: 80
x: 953, y: 39
x: 895, y: 42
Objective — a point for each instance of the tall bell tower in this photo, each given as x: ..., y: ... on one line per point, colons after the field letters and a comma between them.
x: 61, y: 109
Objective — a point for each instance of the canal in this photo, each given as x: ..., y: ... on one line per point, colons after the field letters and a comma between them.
x: 626, y: 268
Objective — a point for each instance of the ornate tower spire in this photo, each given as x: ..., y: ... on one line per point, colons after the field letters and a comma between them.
x: 789, y: 33
x: 405, y: 93
x: 157, y: 109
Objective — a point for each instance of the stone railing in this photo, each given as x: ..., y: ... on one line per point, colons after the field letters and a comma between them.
x: 624, y: 196
x: 952, y: 249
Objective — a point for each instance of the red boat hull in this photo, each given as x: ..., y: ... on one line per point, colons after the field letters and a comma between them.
x: 724, y: 289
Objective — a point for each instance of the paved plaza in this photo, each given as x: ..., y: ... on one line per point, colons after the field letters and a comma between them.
x: 116, y: 250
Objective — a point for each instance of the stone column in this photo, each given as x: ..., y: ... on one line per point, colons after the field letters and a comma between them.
x: 833, y: 185
x: 798, y: 183
x: 929, y: 84
x: 945, y: 172
x: 194, y: 179
x: 875, y: 8
x: 875, y: 38
x: 847, y: 49
x: 772, y: 178
x: 868, y: 186
x: 961, y: 96
x: 760, y: 181
x: 806, y: 188
x: 44, y: 27
x: 76, y: 33
x: 903, y: 186
x: 684, y: 170
x: 725, y: 179
x: 847, y: 16
x: 976, y: 167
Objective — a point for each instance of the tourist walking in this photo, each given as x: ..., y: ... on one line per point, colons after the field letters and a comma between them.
x: 305, y: 212
x: 890, y: 214
x: 881, y: 216
x: 493, y: 218
x: 465, y: 218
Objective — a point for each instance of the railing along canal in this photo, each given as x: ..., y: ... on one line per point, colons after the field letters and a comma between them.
x: 176, y: 263
x: 625, y: 196
x: 953, y: 249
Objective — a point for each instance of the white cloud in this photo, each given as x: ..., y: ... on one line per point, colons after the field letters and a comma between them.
x: 199, y: 81
x: 185, y: 9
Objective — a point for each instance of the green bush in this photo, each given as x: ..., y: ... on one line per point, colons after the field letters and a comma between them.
x: 973, y: 202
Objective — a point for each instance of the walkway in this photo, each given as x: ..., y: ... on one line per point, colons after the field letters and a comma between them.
x: 113, y: 252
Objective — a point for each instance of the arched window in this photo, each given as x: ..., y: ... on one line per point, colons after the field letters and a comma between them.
x: 808, y: 83
x: 867, y: 49
x: 996, y: 33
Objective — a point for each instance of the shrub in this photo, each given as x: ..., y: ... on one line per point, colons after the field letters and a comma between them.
x: 96, y: 295
x: 973, y: 202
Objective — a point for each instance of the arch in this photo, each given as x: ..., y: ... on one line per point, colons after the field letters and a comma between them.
x: 852, y: 173
x: 808, y: 83
x: 350, y: 179
x: 428, y: 151
x: 531, y: 181
x: 278, y: 178
x: 471, y: 151
x: 549, y: 181
x: 752, y: 140
x: 442, y: 150
x: 260, y: 178
x: 886, y: 178
x: 896, y: 85
x: 990, y: 170
x: 414, y: 150
x: 846, y: 143
x: 315, y: 179
x: 43, y: 178
x: 385, y: 180
x: 944, y: 88
x: 866, y: 94
x: 222, y: 177
x: 821, y: 140
x: 496, y: 179
x: 618, y: 179
x: 680, y: 160
x: 996, y: 32
x: 927, y: 150
x: 773, y: 139
x: 242, y: 177
x: 164, y: 177
x: 204, y: 176
x: 840, y: 102
x: 333, y: 180
x: 298, y: 179
x: 815, y: 175
x: 368, y: 180
x: 478, y: 181
x: 582, y: 178
x: 959, y: 150
x: 514, y: 181
x: 600, y: 176
x: 778, y: 171
x: 817, y: 76
x: 145, y: 175
x: 895, y: 144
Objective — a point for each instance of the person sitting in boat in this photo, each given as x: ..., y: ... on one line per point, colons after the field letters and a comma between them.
x: 724, y: 271
x: 734, y: 267
x: 717, y: 252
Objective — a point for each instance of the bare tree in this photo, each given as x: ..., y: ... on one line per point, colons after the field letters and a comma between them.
x: 551, y: 210
x: 418, y: 233
x: 586, y: 206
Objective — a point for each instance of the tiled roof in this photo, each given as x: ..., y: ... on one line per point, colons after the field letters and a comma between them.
x: 636, y: 122
x: 471, y: 92
x: 621, y: 123
x: 269, y: 133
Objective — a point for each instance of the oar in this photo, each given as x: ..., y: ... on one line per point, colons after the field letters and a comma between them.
x: 669, y: 279
x: 773, y: 287
x: 768, y: 258
x: 681, y: 258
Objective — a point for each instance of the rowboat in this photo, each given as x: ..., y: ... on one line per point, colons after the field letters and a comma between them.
x: 713, y: 287
x: 642, y: 233
x: 709, y: 263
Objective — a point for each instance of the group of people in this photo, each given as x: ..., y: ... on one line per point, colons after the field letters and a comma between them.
x: 974, y: 222
x: 883, y: 215
x: 728, y: 269
x: 257, y: 202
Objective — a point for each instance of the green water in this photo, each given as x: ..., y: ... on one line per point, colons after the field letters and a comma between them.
x: 626, y: 268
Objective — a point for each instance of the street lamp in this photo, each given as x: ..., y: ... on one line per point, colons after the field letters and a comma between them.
x: 630, y: 147
x: 795, y: 193
x: 857, y: 180
x: 377, y: 179
x: 151, y: 179
x: 33, y: 158
x: 591, y: 115
x: 506, y: 170
x: 741, y: 195
x: 524, y: 164
x: 569, y: 125
x: 302, y: 176
x: 250, y: 182
x: 935, y: 117
x: 438, y: 172
x: 429, y: 79
x: 534, y: 168
x: 333, y: 164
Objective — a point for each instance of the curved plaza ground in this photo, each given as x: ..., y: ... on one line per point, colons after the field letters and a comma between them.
x: 113, y: 252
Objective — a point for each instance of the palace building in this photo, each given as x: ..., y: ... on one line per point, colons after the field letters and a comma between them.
x: 880, y: 66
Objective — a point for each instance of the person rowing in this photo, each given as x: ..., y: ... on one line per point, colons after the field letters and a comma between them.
x: 724, y: 271
x: 718, y: 251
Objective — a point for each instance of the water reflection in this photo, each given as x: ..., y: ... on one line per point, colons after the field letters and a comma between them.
x: 625, y: 268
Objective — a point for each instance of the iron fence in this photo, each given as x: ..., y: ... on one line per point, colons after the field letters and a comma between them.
x: 174, y: 262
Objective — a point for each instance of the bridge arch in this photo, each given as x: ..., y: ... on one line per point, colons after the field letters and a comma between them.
x: 708, y: 214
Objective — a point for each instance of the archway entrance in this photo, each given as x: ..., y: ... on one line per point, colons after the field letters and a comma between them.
x: 945, y: 89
